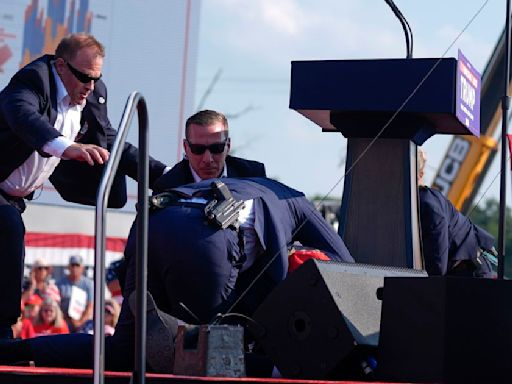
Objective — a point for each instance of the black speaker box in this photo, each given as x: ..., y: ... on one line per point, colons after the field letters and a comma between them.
x: 446, y: 330
x: 315, y: 319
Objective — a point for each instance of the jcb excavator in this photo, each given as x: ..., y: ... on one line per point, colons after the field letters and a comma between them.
x: 468, y: 158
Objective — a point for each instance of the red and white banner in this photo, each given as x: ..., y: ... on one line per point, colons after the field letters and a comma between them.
x: 57, y: 247
x: 56, y: 232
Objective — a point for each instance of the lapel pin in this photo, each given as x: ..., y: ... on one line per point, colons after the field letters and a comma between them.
x: 101, y: 100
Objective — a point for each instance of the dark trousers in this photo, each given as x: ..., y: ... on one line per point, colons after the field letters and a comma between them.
x: 192, y: 265
x: 12, y: 251
x: 76, y: 351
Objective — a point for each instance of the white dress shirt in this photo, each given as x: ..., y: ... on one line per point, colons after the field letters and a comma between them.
x: 37, y: 169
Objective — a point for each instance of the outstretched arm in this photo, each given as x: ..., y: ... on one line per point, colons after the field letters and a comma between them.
x: 313, y: 231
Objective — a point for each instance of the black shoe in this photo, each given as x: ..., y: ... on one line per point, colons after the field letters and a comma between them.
x: 160, y: 334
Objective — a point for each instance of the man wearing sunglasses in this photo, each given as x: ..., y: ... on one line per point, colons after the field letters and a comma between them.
x: 41, y: 117
x: 207, y: 146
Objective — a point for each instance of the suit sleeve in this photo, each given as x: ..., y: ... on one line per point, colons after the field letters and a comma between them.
x: 129, y: 159
x: 24, y: 104
x: 314, y: 231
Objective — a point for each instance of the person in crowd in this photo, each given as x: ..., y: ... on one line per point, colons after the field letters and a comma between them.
x: 23, y: 329
x: 40, y: 282
x: 112, y: 280
x: 207, y: 145
x: 112, y: 310
x: 452, y: 244
x: 197, y: 262
x: 49, y: 320
x: 41, y: 111
x: 30, y: 307
x: 77, y: 294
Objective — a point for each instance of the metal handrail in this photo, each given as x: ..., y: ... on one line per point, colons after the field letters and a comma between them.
x: 135, y: 100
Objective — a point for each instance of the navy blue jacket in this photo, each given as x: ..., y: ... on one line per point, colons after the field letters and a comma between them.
x: 282, y: 216
x: 180, y: 174
x: 280, y: 211
x: 447, y: 235
x: 28, y: 110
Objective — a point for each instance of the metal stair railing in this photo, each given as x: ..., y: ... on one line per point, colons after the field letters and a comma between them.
x: 135, y: 100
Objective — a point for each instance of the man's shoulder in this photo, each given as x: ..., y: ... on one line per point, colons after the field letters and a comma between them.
x: 433, y: 204
x: 178, y: 175
x: 40, y: 66
x: 430, y: 195
x: 63, y: 281
x: 85, y: 282
x: 240, y: 167
x: 35, y: 73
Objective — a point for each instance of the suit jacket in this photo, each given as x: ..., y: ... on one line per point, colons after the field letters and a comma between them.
x: 282, y: 216
x: 447, y: 235
x: 180, y: 174
x: 28, y: 110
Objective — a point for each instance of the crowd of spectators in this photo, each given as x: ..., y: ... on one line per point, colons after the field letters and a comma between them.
x: 51, y: 307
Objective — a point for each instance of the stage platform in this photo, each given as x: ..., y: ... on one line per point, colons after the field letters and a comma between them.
x: 38, y: 375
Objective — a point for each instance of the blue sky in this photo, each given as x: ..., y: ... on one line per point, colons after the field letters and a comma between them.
x: 253, y: 42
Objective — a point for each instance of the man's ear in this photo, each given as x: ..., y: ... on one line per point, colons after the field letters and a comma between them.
x: 59, y: 64
x: 185, y: 156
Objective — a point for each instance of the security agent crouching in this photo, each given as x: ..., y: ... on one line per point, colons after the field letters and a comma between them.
x: 195, y: 263
x: 452, y: 244
x: 197, y: 269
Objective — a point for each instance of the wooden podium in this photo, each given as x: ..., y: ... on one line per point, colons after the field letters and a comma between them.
x: 385, y: 108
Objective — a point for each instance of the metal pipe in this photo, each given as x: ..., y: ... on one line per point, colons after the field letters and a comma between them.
x: 505, y: 105
x: 134, y: 100
x: 139, y: 372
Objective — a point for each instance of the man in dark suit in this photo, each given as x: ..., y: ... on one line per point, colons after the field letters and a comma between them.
x: 194, y: 263
x: 78, y: 182
x: 206, y: 147
x: 452, y: 244
x: 40, y: 119
x: 203, y: 276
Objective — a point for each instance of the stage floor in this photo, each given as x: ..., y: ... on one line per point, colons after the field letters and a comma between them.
x: 37, y: 375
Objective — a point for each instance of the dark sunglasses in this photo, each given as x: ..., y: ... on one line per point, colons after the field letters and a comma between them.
x: 42, y: 268
x: 199, y: 149
x: 82, y: 77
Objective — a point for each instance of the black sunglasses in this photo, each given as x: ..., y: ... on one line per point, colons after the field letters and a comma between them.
x: 82, y: 77
x: 199, y: 149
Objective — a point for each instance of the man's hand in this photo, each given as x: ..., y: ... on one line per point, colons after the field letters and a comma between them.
x: 86, y: 152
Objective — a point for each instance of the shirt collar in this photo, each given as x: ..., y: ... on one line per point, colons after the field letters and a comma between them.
x: 197, y: 179
x: 61, y: 89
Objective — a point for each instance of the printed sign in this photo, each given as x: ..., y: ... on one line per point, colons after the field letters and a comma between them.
x: 77, y: 302
x: 468, y: 95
